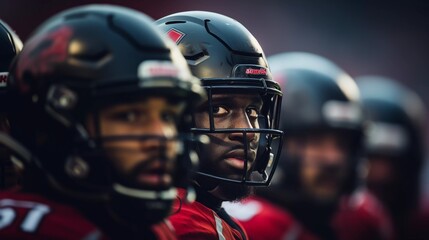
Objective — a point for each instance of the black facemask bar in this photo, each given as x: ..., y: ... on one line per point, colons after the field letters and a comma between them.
x: 184, y: 163
x: 62, y: 105
x: 270, y: 137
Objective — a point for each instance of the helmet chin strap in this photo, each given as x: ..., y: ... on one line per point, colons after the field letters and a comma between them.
x: 146, y: 194
x: 148, y: 206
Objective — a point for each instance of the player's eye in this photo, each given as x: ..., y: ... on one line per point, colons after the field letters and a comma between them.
x: 252, y: 113
x: 170, y: 117
x: 219, y: 110
x: 126, y: 116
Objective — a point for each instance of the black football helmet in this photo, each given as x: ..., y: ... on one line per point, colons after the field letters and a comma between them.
x: 77, y: 62
x: 229, y: 60
x: 396, y: 128
x: 320, y: 96
x: 10, y: 46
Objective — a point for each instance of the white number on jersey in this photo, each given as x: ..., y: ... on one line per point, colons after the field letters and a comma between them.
x: 31, y: 220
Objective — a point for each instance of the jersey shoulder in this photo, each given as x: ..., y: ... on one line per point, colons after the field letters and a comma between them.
x: 254, y: 208
x: 362, y: 216
x: 197, y: 221
x: 31, y: 216
x: 164, y: 230
x: 263, y: 220
x: 193, y: 220
x: 363, y: 204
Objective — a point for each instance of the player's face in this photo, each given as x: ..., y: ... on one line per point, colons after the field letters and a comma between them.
x: 226, y: 154
x: 142, y: 162
x: 324, y: 158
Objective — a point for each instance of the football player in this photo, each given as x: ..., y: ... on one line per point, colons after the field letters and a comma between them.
x: 322, y: 119
x: 101, y: 97
x: 394, y: 149
x: 240, y: 118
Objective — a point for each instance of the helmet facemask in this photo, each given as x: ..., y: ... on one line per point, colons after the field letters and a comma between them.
x: 256, y: 152
x: 94, y: 164
x: 143, y: 163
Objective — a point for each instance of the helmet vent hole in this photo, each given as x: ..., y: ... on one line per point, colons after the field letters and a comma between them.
x: 175, y: 22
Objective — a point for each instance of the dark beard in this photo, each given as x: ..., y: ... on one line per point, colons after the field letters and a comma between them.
x: 234, y: 191
x: 225, y: 191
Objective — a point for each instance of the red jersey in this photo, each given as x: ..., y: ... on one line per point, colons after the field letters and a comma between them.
x: 196, y: 221
x: 264, y: 220
x: 27, y: 216
x: 362, y: 216
x: 164, y: 231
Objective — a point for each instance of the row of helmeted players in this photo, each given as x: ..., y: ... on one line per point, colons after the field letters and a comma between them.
x: 113, y: 136
x: 351, y: 159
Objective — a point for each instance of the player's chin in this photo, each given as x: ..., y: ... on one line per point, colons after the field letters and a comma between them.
x: 234, y: 191
x: 326, y: 193
x: 232, y: 173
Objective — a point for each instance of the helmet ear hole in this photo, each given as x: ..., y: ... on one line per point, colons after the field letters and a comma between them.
x: 263, y: 149
x: 263, y: 161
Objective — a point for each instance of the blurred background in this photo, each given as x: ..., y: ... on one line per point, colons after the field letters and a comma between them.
x: 389, y: 38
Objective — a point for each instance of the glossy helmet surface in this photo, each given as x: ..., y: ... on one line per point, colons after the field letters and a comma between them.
x: 10, y: 46
x: 75, y: 63
x: 396, y: 119
x: 229, y: 60
x: 320, y: 96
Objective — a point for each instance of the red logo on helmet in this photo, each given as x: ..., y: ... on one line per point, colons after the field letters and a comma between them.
x: 175, y: 35
x: 254, y: 71
x: 43, y: 52
x: 163, y: 71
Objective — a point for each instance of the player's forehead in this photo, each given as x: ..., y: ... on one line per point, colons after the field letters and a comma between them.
x: 146, y: 102
x: 237, y: 98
